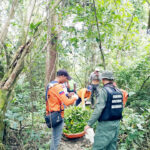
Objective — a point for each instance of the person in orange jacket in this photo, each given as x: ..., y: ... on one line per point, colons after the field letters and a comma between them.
x: 124, y: 93
x: 55, y: 98
x: 84, y: 93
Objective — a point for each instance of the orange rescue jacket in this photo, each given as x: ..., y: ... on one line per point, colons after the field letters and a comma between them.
x: 125, y: 96
x: 83, y: 93
x: 56, y: 98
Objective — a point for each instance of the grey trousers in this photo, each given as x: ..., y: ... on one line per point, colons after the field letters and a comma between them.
x: 56, y: 136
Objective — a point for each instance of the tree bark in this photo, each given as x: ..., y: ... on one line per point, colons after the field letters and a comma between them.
x: 7, y: 83
x: 14, y: 69
x: 51, y: 53
x: 99, y: 36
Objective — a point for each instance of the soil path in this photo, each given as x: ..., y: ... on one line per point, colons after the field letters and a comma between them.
x: 75, y: 144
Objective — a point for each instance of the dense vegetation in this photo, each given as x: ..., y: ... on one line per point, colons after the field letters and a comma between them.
x: 76, y: 119
x: 111, y: 34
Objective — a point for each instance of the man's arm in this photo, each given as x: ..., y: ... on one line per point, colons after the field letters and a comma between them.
x: 61, y: 94
x: 89, y: 95
x: 100, y: 105
x: 82, y: 97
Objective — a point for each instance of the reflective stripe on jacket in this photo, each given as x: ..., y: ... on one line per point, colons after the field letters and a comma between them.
x: 114, y: 104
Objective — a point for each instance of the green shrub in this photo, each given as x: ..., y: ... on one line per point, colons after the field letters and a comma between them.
x: 134, y: 130
x: 75, y: 119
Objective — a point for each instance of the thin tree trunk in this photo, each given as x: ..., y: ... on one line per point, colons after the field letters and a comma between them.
x: 7, y: 83
x: 126, y: 34
x: 31, y: 88
x: 48, y: 46
x: 144, y: 83
x: 15, y: 66
x: 4, y: 30
x: 3, y: 101
x: 148, y: 28
x: 99, y: 36
x: 29, y: 15
x: 51, y: 53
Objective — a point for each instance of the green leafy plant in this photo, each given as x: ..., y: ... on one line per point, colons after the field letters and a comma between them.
x: 134, y: 130
x: 75, y: 119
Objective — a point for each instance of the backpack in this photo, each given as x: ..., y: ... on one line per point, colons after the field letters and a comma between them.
x: 54, y: 118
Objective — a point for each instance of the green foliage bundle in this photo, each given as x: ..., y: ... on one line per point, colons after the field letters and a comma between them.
x: 75, y: 119
x: 134, y: 130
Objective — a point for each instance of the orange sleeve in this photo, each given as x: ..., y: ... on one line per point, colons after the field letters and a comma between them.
x: 125, y: 96
x: 83, y: 96
x: 89, y: 95
x: 61, y: 95
x: 79, y: 93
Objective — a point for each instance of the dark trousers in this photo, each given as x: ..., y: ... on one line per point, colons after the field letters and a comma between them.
x: 78, y: 101
x: 94, y: 92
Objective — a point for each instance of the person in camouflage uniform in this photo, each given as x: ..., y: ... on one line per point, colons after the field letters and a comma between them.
x: 108, y: 112
x: 94, y: 81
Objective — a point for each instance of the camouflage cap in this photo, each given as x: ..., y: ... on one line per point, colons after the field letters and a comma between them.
x: 107, y: 75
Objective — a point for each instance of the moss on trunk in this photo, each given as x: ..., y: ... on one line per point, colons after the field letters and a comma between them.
x: 3, y: 103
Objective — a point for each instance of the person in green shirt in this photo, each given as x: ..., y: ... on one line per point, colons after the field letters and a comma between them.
x: 72, y: 86
x: 108, y: 112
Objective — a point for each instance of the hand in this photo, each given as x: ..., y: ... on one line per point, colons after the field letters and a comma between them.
x: 85, y: 99
x: 75, y: 96
x: 83, y: 106
x: 86, y: 127
x: 70, y: 94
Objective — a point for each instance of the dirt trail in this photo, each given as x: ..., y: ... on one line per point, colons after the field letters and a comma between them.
x: 75, y: 144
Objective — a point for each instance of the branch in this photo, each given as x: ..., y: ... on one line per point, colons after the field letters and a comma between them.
x: 99, y: 36
x: 127, y: 31
x: 15, y: 67
x: 148, y: 27
x: 31, y: 9
x: 144, y: 82
x: 74, y: 69
x: 5, y: 28
x: 116, y: 5
x: 54, y: 6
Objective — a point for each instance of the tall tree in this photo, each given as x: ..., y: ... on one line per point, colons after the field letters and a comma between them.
x: 52, y: 37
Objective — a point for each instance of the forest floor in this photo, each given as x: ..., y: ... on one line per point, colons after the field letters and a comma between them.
x: 75, y: 144
x: 13, y: 143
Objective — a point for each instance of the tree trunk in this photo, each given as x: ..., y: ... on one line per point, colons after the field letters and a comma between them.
x: 8, y: 81
x: 51, y: 54
x: 5, y: 28
x: 28, y: 17
x: 148, y: 28
x: 99, y: 36
x: 3, y: 101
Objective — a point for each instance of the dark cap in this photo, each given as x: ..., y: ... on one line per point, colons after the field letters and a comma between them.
x: 63, y: 72
x: 89, y: 88
x: 107, y: 75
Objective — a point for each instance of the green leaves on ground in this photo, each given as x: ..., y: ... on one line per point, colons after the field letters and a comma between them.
x: 75, y: 119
